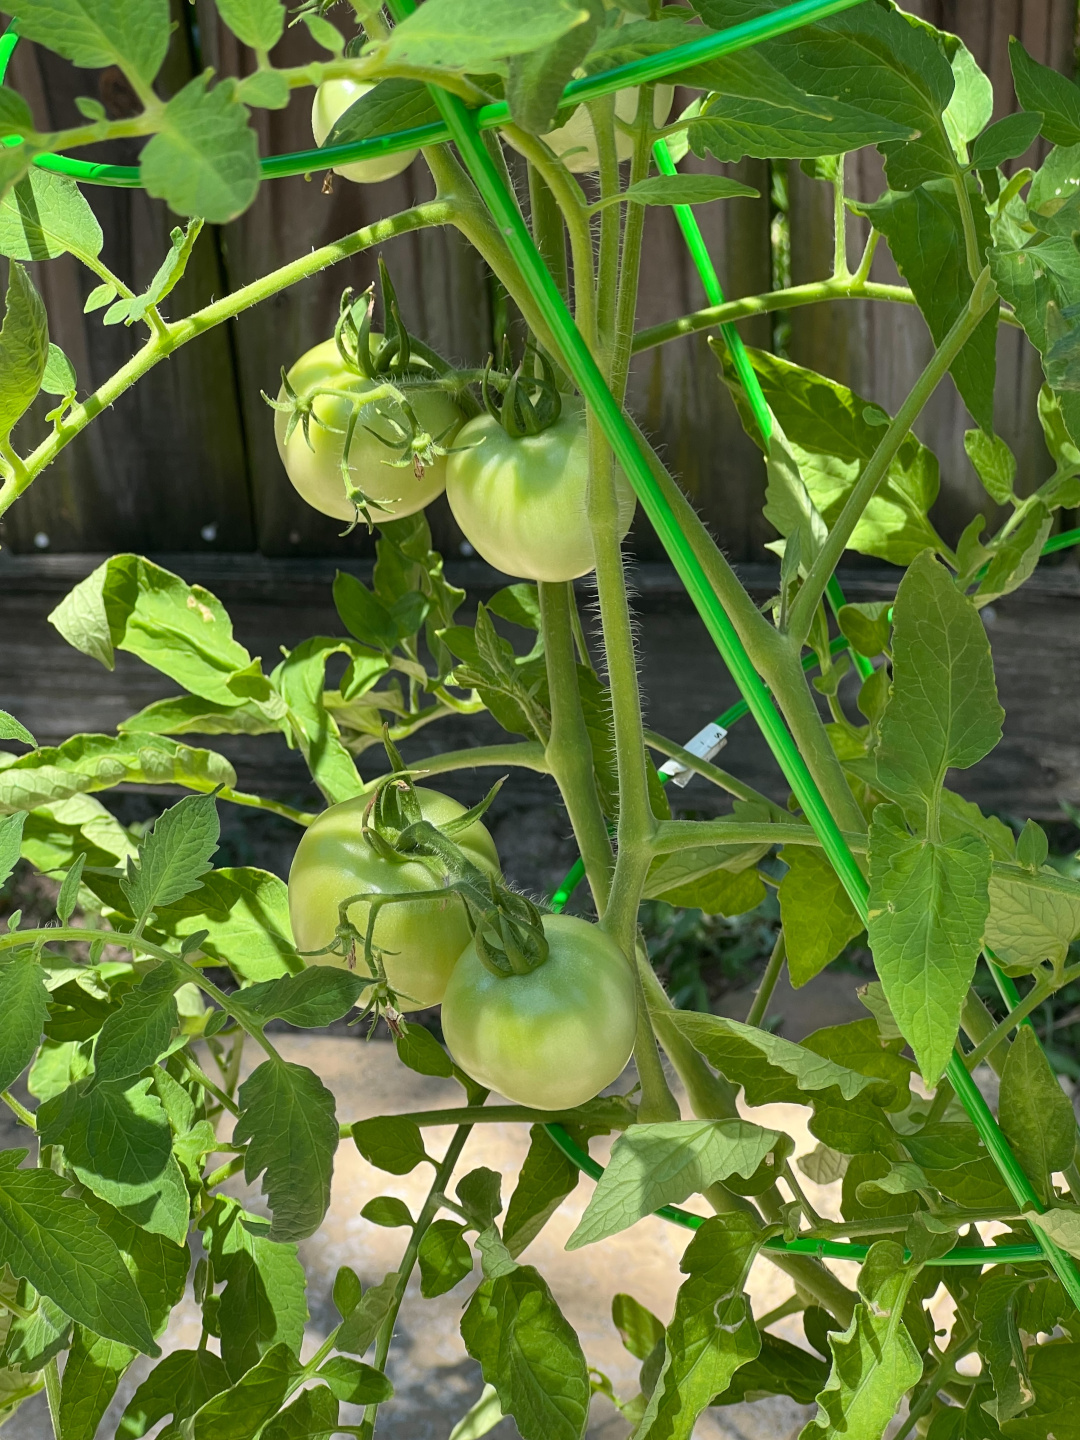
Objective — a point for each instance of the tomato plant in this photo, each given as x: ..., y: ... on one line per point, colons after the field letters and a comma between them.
x: 131, y: 1016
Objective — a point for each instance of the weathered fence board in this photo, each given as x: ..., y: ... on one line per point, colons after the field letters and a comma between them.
x: 186, y: 460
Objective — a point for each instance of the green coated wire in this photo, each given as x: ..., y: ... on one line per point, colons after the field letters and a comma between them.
x: 609, y: 416
x: 635, y: 72
x: 822, y: 1249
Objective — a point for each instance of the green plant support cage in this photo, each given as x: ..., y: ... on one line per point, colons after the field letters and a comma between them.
x: 463, y: 127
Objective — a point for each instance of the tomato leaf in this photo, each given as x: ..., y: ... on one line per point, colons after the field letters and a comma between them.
x: 712, y: 1331
x: 288, y: 1120
x: 263, y: 1303
x: 780, y: 1368
x: 355, y: 1383
x: 364, y: 1319
x: 246, y: 912
x: 96, y: 33
x: 445, y: 1258
x: 1035, y: 1113
x: 313, y: 1415
x: 535, y: 81
x: 239, y: 1412
x: 24, y: 1004
x: 662, y: 1164
x: 53, y: 1240
x: 205, y: 160
x: 46, y: 215
x: 301, y: 678
x: 92, y: 1371
x: 456, y: 35
x: 420, y: 1051
x: 1048, y: 94
x: 174, y: 855
x: 135, y: 1035
x: 316, y: 997
x: 1030, y: 920
x: 530, y: 1354
x: 24, y: 348
x: 817, y: 916
x: 118, y: 1142
x: 177, y: 1386
x: 258, y: 23
x: 546, y: 1178
x: 390, y: 1142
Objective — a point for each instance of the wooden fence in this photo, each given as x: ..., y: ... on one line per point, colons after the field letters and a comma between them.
x: 186, y: 460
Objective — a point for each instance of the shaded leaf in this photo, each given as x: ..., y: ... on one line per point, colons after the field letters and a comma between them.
x: 24, y: 1003
x: 817, y: 916
x: 205, y: 160
x: 288, y: 1119
x: 1035, y: 1113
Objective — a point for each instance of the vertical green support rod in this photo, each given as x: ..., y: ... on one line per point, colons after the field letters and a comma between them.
x: 590, y: 381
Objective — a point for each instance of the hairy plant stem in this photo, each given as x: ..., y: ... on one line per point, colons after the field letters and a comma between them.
x: 633, y: 230
x: 569, y: 750
x: 548, y: 230
x: 773, y: 971
x: 805, y: 604
x: 430, y: 1209
x: 261, y: 802
x: 840, y: 260
x: 180, y: 332
x: 525, y: 754
x: 674, y: 835
x: 602, y: 115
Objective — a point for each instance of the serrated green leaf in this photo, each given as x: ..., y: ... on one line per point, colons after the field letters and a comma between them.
x: 33, y: 1339
x: 662, y: 1164
x: 1013, y: 560
x: 1000, y: 1345
x: 1035, y: 1113
x: 316, y: 997
x: 1054, y: 1375
x: 12, y: 729
x: 69, y: 890
x: 390, y: 1142
x: 174, y: 855
x: 159, y: 1266
x: 46, y: 215
x: 301, y: 681
x: 535, y: 81
x: 639, y: 1329
x: 135, y: 1035
x: 205, y: 160
x: 246, y: 912
x: 546, y: 1178
x: 118, y: 1142
x: 24, y: 348
x: 719, y: 893
x: 943, y: 711
x: 312, y: 1415
x: 925, y: 232
x: 263, y: 1303
x: 355, y: 1383
x: 96, y: 33
x: 1030, y: 922
x: 53, y: 1240
x: 831, y: 440
x: 239, y: 1412
x: 929, y: 904
x: 445, y: 1258
x: 681, y: 190
x: 288, y: 1119
x: 858, y: 1045
x: 191, y: 715
x: 98, y: 762
x: 24, y: 1003
x: 396, y: 104
x: 92, y: 1371
x: 177, y: 1386
x: 994, y: 463
x: 1048, y: 93
x: 530, y: 1354
x: 780, y: 1368
x: 455, y: 35
x: 817, y: 916
x: 258, y: 23
x: 712, y: 1331
x: 874, y: 1362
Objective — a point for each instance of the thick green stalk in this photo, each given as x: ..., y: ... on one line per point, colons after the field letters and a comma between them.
x: 602, y: 114
x: 525, y: 754
x: 633, y: 230
x: 769, y: 980
x: 713, y: 773
x: 674, y: 835
x: 866, y: 487
x: 569, y: 749
x: 548, y: 230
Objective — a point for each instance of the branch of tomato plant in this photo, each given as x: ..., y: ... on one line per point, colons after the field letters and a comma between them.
x: 261, y: 802
x: 429, y: 1210
x: 708, y: 771
x: 179, y: 332
x: 568, y: 754
x: 1039, y: 992
x: 674, y: 835
x: 526, y: 755
x: 602, y: 115
x: 810, y: 594
x: 633, y: 230
x: 940, y: 1376
x: 773, y: 970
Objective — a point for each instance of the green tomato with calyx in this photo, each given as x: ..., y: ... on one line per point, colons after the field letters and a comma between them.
x: 554, y: 1037
x: 575, y: 141
x: 521, y: 501
x: 419, y: 940
x: 332, y: 99
x: 313, y: 462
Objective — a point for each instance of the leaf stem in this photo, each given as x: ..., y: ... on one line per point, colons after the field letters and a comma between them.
x: 480, y: 1115
x: 721, y: 778
x: 769, y: 981
x: 873, y: 476
x: 52, y: 1395
x: 527, y: 754
x: 207, y: 1084
x: 261, y: 802
x: 24, y: 1116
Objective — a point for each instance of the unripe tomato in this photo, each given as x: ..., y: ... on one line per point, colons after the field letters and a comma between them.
x: 420, y: 940
x: 575, y: 142
x: 521, y: 503
x: 555, y: 1037
x: 332, y: 99
x: 315, y: 468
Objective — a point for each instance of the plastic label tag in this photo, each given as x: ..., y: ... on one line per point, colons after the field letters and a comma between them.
x: 704, y: 745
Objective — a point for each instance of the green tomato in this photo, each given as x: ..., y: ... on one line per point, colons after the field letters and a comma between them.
x: 314, y: 463
x: 420, y: 940
x: 555, y: 1037
x: 575, y: 141
x: 521, y: 503
x: 332, y: 99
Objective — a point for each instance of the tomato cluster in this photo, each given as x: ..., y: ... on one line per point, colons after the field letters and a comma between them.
x: 550, y: 1038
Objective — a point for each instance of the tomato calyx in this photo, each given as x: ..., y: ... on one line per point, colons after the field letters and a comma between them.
x: 529, y: 400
